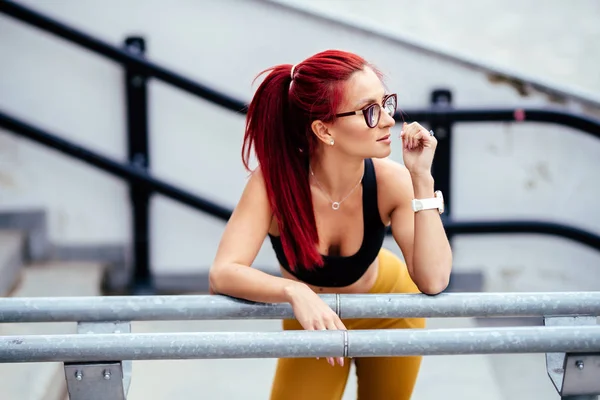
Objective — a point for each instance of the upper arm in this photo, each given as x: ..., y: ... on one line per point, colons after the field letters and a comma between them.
x: 399, y: 189
x: 248, y: 225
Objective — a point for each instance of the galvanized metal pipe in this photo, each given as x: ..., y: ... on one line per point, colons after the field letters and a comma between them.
x: 293, y: 344
x: 203, y: 307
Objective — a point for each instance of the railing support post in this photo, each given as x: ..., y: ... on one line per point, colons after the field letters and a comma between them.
x: 441, y: 99
x: 137, y: 135
x: 574, y: 375
x: 101, y: 380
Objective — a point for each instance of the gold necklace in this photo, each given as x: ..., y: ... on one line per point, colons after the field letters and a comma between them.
x: 336, y: 204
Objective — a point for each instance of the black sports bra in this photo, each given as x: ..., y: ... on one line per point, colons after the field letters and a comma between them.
x: 339, y: 271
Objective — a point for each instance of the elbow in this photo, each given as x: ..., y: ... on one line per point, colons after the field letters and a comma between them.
x: 438, y: 278
x: 433, y: 287
x: 215, y: 277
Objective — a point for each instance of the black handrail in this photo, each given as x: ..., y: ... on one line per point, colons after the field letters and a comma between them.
x: 448, y: 115
x: 134, y: 175
x: 583, y: 123
x: 121, y: 56
x: 115, y: 168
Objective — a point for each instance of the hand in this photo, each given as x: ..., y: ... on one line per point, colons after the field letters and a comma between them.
x: 418, y: 148
x: 313, y: 313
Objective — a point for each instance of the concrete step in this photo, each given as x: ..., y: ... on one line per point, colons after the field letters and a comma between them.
x: 12, y: 243
x: 45, y: 381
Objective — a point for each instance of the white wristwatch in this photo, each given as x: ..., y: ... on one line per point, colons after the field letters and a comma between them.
x: 428, y: 204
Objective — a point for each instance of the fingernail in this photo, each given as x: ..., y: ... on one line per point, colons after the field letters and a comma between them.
x: 342, y: 362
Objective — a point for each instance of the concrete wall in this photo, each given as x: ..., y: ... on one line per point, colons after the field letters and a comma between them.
x: 500, y: 171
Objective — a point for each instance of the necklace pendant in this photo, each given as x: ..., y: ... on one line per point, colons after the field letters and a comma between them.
x: 335, y: 205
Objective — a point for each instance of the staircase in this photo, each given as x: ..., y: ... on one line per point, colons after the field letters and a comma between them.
x: 21, y: 276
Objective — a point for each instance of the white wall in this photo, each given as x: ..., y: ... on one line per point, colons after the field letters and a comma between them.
x: 500, y: 171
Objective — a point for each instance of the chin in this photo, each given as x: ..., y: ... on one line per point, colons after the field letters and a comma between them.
x: 381, y: 153
x: 377, y: 151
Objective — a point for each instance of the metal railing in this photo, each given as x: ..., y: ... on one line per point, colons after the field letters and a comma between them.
x: 210, y: 307
x: 97, y: 359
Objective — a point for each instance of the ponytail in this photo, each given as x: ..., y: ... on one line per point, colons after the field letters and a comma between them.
x: 282, y: 152
x: 278, y: 128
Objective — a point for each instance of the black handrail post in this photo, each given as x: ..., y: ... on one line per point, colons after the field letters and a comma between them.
x: 137, y: 141
x: 441, y: 100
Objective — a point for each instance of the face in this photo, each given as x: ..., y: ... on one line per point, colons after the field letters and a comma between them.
x: 350, y: 132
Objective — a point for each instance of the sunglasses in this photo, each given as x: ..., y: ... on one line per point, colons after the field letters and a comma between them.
x: 372, y: 113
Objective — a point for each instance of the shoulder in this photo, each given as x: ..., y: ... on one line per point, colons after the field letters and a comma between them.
x: 255, y: 190
x: 391, y: 175
x: 394, y: 184
x: 255, y: 197
x: 256, y: 181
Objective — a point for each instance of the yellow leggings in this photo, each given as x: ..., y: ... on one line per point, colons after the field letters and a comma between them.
x: 378, y: 377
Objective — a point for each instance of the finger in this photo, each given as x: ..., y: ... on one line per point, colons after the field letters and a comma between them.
x: 419, y: 138
x: 330, y: 359
x: 320, y: 326
x: 416, y: 126
x: 311, y: 328
x: 414, y: 131
x: 413, y: 142
x: 425, y: 138
x: 340, y: 325
x: 333, y: 326
x: 403, y: 135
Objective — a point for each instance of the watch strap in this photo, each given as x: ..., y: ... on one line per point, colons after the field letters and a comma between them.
x: 436, y: 202
x: 426, y: 204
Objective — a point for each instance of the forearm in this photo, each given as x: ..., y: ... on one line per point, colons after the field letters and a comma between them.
x: 248, y: 283
x: 432, y: 255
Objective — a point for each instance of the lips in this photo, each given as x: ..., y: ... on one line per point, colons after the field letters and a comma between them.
x: 383, y: 138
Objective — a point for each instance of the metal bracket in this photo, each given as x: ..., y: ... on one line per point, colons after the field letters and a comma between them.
x: 582, y: 374
x: 107, y: 380
x: 95, y: 381
x: 574, y: 374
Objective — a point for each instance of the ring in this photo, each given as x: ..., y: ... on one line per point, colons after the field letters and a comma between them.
x: 431, y: 132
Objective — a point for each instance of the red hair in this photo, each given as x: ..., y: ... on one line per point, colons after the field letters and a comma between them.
x: 278, y: 127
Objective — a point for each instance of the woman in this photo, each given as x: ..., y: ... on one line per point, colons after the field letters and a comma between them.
x: 324, y: 192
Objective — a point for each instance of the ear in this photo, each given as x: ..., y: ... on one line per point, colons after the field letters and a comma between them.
x: 320, y: 129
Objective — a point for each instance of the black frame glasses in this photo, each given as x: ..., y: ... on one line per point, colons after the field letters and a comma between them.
x: 372, y: 113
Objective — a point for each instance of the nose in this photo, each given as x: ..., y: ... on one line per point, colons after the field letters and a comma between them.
x: 386, y: 120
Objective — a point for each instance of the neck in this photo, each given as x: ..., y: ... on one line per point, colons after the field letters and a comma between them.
x: 337, y: 174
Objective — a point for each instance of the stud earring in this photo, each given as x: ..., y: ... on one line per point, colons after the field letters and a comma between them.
x: 331, y: 142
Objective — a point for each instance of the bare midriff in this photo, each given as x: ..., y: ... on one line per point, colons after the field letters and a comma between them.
x: 363, y: 285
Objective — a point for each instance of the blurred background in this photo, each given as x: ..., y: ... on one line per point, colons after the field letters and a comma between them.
x: 522, y: 194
